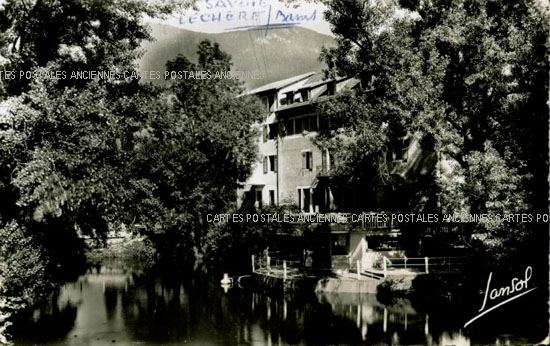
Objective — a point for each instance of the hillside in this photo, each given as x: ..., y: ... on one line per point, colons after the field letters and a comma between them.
x: 283, y: 52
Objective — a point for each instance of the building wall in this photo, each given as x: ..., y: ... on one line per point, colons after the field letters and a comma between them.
x: 260, y: 181
x: 291, y: 181
x: 289, y: 168
x: 292, y: 175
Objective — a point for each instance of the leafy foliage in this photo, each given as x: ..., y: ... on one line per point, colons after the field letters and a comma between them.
x: 92, y: 157
x: 196, y: 149
x: 489, y: 184
x: 95, y: 35
x: 23, y: 268
x: 469, y: 77
x: 230, y: 244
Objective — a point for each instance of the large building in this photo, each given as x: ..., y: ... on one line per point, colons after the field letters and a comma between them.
x: 292, y: 169
x: 291, y: 165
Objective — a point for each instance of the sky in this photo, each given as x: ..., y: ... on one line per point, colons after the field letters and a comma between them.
x: 215, y: 16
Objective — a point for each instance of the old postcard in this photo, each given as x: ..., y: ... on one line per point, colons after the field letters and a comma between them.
x: 274, y: 172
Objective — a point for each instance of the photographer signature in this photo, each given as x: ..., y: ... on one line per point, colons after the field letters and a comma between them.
x: 517, y: 288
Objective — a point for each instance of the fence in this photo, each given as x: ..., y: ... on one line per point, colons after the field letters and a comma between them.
x: 424, y: 264
x: 285, y: 264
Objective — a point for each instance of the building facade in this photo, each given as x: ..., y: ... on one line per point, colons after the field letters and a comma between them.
x: 291, y: 167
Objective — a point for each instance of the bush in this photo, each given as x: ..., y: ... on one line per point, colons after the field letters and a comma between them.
x: 23, y: 263
x: 136, y: 253
x: 390, y: 289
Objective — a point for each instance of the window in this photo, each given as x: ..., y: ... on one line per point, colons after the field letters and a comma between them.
x: 271, y: 197
x: 400, y: 151
x: 273, y: 130
x: 289, y: 127
x: 270, y: 163
x: 271, y: 102
x: 307, y: 199
x: 289, y: 98
x: 307, y: 160
x: 297, y: 126
x: 308, y: 123
x: 304, y: 199
x: 313, y: 123
x: 259, y: 203
x: 264, y: 133
x: 305, y: 95
x: 302, y: 124
x: 273, y: 163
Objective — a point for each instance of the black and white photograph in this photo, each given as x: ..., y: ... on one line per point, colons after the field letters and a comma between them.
x: 274, y: 172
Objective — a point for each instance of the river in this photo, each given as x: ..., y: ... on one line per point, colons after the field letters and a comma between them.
x: 113, y: 305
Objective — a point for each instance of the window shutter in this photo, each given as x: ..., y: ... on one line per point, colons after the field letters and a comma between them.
x: 275, y: 163
x: 265, y: 133
x: 324, y: 153
x: 304, y: 160
x: 265, y: 164
x: 310, y: 161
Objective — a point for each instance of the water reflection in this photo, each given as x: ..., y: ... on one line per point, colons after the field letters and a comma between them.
x: 111, y: 305
x: 396, y: 323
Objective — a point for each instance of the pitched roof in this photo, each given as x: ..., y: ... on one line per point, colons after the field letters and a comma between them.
x: 318, y: 89
x: 280, y: 84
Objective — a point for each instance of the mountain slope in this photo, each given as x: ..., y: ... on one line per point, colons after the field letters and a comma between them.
x: 282, y: 53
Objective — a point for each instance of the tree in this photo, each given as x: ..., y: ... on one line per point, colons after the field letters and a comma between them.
x: 490, y: 59
x: 197, y: 148
x: 469, y: 77
x: 92, y: 156
x: 95, y: 35
x: 378, y: 49
x: 54, y: 132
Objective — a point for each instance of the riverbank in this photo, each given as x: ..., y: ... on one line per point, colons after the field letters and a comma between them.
x: 130, y: 250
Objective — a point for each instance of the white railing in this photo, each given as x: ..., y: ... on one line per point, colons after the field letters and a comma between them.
x: 423, y: 263
x: 283, y: 265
